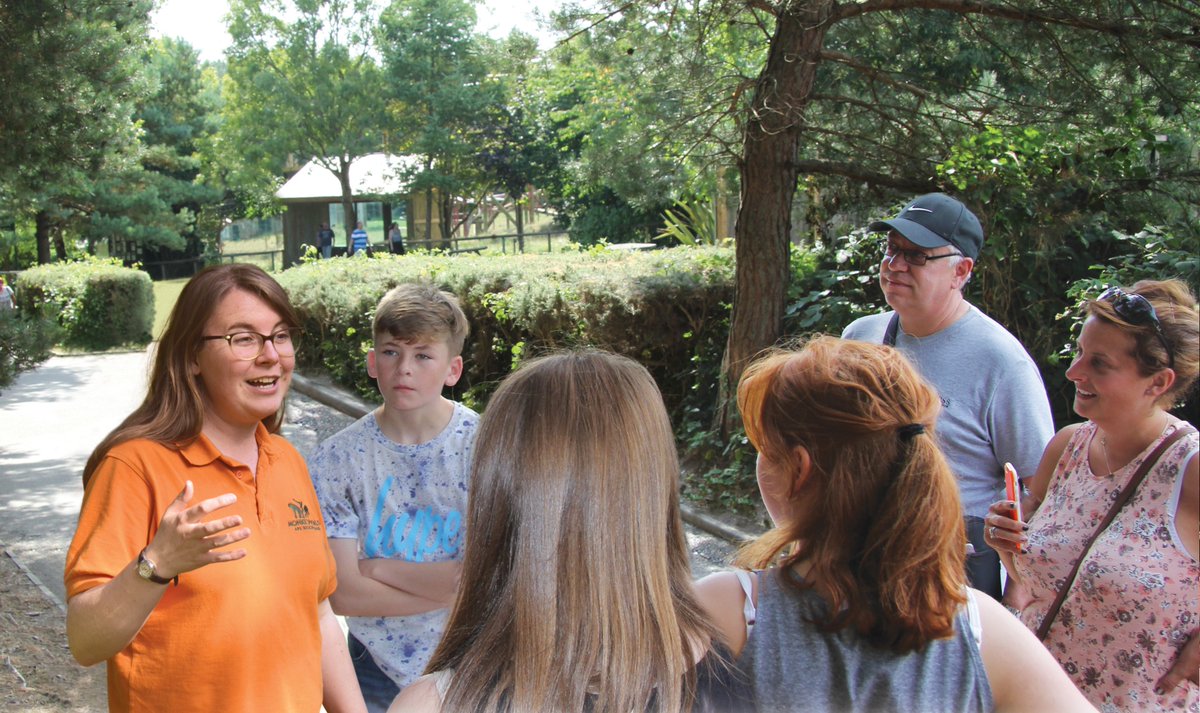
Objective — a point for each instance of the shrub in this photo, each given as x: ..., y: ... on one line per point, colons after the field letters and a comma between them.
x: 669, y: 309
x: 97, y: 303
x: 25, y: 342
x: 651, y: 305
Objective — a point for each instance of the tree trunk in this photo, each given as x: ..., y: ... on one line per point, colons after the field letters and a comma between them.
x: 348, y: 211
x: 429, y: 218
x: 60, y: 245
x: 768, y: 171
x: 42, y: 234
x: 446, y: 216
x: 520, y: 211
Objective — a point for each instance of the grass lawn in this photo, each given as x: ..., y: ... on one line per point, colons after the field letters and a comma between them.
x: 165, y: 294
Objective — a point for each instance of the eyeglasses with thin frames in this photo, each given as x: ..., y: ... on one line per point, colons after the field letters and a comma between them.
x: 914, y: 258
x: 249, y: 345
x: 1137, y: 310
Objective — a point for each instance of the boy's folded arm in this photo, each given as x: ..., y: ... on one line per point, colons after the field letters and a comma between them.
x: 359, y: 595
x: 437, y: 581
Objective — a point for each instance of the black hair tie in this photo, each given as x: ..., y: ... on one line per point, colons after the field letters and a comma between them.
x: 907, y: 433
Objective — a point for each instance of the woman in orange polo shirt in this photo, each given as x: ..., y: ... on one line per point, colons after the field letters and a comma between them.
x: 200, y: 570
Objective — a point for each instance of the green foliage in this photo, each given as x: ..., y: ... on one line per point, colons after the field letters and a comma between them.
x: 689, y: 223
x: 97, y: 303
x: 837, y: 289
x: 637, y: 304
x: 25, y: 342
x: 1150, y: 254
x: 439, y: 98
x: 646, y: 101
x: 303, y: 83
x: 604, y: 217
x: 718, y: 473
x: 669, y: 309
x: 179, y: 119
x: 69, y: 79
x: 515, y: 146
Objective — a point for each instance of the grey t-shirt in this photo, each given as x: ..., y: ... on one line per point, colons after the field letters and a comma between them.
x: 994, y: 405
x: 403, y: 502
x: 795, y: 666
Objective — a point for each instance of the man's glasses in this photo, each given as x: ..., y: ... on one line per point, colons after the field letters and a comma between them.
x: 1137, y: 310
x: 249, y: 345
x: 916, y: 258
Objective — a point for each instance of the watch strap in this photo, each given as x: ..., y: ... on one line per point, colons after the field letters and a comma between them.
x: 152, y: 576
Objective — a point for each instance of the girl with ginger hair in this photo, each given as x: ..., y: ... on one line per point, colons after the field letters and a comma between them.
x: 864, y: 605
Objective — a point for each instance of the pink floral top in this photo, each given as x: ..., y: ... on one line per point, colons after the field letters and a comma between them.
x: 1134, y: 602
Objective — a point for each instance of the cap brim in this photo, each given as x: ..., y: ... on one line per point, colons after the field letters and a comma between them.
x: 915, y: 233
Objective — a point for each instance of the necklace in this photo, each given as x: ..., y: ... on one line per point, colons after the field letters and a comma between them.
x: 1104, y: 444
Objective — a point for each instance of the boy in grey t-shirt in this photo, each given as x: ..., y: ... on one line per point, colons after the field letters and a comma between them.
x: 393, y: 490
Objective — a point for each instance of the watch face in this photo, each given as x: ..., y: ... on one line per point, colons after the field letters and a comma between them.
x: 145, y: 570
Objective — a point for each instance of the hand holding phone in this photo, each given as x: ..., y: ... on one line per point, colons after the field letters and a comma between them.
x: 1012, y: 491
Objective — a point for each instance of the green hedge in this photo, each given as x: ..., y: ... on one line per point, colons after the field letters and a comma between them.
x: 655, y: 306
x: 98, y: 304
x: 668, y: 309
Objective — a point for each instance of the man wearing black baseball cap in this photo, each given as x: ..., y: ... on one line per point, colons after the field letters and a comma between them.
x: 995, y: 408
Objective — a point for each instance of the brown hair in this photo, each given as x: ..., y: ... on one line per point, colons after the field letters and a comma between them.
x: 577, y: 587
x: 1175, y: 306
x: 173, y: 410
x: 419, y: 310
x: 877, y: 520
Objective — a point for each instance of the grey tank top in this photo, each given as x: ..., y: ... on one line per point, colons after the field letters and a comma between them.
x: 795, y: 666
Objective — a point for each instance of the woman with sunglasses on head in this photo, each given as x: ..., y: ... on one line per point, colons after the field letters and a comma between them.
x: 1104, y: 567
x: 860, y: 601
x: 199, y: 569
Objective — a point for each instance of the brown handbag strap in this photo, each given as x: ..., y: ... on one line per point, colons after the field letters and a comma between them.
x: 1119, y: 503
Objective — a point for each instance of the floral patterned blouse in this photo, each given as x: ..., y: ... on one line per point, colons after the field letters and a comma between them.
x: 1134, y: 602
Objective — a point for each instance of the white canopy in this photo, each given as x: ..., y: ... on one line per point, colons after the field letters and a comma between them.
x: 372, y: 174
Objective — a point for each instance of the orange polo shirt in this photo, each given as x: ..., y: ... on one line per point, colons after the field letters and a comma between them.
x: 232, y: 636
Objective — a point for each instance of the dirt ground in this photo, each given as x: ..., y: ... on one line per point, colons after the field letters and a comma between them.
x: 37, y: 673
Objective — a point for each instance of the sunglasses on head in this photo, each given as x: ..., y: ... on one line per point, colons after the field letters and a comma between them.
x: 1135, y: 309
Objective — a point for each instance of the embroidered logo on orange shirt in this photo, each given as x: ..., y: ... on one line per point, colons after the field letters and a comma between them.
x: 300, y: 520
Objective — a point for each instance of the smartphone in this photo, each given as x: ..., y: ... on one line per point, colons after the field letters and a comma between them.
x: 1012, y: 491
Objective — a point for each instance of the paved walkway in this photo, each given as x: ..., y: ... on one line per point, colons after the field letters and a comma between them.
x: 52, y: 418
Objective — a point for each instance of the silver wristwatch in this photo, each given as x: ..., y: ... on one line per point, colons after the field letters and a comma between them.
x: 147, y: 571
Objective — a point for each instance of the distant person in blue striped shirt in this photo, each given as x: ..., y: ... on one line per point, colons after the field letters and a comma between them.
x: 358, y: 238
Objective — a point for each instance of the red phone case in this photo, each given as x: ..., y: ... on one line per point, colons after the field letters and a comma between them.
x: 1012, y: 490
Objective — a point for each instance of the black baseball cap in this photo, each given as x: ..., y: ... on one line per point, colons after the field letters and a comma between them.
x: 934, y: 220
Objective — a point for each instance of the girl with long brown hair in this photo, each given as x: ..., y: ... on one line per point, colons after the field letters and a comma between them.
x: 860, y: 601
x: 576, y: 589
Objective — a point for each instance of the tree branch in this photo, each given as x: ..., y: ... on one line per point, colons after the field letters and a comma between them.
x: 1117, y: 26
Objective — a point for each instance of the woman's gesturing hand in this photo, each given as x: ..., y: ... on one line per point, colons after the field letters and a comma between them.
x: 186, y: 541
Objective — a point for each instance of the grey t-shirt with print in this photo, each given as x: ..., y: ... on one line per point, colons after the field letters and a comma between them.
x: 403, y: 502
